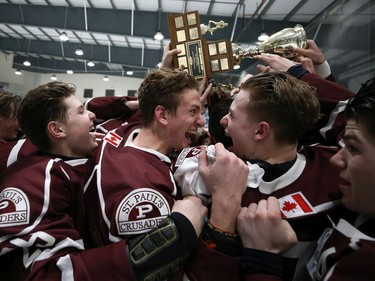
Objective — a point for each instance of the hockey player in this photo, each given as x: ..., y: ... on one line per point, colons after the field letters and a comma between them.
x: 9, y: 128
x: 266, y: 120
x: 42, y: 226
x: 346, y: 252
x: 132, y: 188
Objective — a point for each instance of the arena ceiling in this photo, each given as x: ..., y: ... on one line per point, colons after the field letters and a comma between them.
x: 117, y: 35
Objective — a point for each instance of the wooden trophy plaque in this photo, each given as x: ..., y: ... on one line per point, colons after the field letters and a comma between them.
x: 200, y: 57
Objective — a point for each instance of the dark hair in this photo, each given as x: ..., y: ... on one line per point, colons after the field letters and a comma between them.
x: 163, y: 87
x: 217, y: 132
x: 361, y: 107
x: 9, y: 104
x: 288, y: 104
x: 40, y: 106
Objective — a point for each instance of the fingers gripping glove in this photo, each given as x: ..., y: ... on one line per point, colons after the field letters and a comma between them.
x: 163, y: 250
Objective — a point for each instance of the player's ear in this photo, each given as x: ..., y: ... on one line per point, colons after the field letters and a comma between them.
x: 55, y: 129
x: 262, y: 131
x: 161, y: 114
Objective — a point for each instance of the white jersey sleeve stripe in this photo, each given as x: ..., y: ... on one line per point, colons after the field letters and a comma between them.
x: 13, y: 155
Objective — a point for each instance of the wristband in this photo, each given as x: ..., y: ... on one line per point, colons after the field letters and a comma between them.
x: 225, y: 242
x: 220, y: 231
x: 323, y: 69
x: 297, y: 71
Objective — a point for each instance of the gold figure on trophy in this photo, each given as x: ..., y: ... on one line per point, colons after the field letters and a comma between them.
x: 280, y: 43
x: 212, y: 26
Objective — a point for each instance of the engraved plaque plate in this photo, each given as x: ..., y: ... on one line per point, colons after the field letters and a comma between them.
x: 193, y: 33
x: 222, y: 46
x: 212, y: 49
x: 179, y: 22
x: 215, y: 67
x: 181, y: 36
x: 192, y: 19
x: 182, y: 48
x: 195, y: 59
x: 224, y: 64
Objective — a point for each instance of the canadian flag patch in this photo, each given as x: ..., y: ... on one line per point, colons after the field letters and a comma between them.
x: 113, y: 138
x: 294, y: 205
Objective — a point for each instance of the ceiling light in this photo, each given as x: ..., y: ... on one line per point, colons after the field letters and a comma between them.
x: 158, y: 36
x: 237, y: 66
x: 64, y: 37
x: 18, y: 72
x: 79, y: 52
x: 105, y: 78
x: 129, y: 72
x: 263, y: 36
x: 53, y: 77
x: 90, y: 63
x: 69, y: 71
x: 26, y: 63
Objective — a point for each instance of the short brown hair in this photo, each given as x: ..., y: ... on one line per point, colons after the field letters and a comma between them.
x: 288, y: 104
x: 40, y: 106
x: 9, y: 104
x: 163, y: 87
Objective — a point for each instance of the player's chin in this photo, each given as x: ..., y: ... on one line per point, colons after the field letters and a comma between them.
x: 183, y: 143
x: 93, y: 143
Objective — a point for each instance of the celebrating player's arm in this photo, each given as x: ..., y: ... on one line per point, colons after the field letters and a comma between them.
x: 164, y: 250
x: 226, y: 179
x: 265, y: 235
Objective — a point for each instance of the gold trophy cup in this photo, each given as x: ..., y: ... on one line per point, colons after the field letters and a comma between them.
x: 280, y: 43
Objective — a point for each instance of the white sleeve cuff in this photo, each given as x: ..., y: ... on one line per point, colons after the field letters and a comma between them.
x: 323, y: 69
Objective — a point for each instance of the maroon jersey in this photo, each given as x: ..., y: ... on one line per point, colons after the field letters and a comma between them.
x: 111, y: 112
x: 309, y: 199
x: 109, y: 107
x: 345, y: 252
x: 332, y: 98
x: 42, y: 232
x: 11, y: 151
x: 131, y: 189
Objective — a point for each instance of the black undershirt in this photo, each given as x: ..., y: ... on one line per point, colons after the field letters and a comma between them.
x: 273, y: 171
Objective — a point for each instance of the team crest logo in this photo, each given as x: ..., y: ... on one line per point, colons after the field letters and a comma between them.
x: 295, y: 205
x: 14, y: 207
x: 113, y: 138
x: 141, y: 210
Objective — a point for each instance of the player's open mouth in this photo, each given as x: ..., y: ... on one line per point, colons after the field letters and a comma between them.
x: 189, y: 135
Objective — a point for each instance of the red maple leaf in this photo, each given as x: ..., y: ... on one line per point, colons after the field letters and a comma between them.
x: 288, y: 206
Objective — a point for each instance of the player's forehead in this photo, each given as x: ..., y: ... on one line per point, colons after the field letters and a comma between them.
x: 73, y: 103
